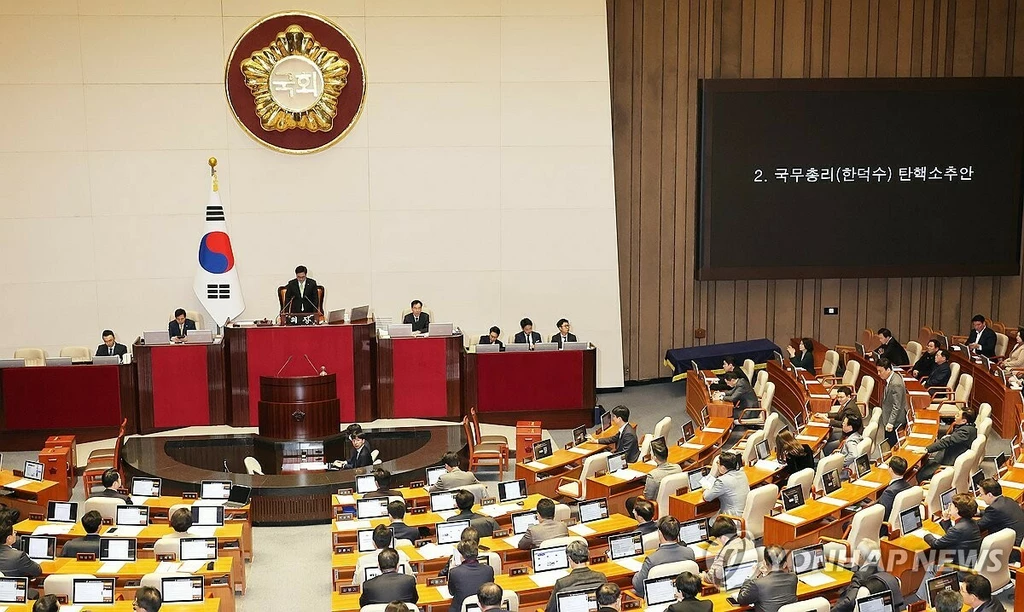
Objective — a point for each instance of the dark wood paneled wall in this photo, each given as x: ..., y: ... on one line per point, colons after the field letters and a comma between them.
x: 658, y: 50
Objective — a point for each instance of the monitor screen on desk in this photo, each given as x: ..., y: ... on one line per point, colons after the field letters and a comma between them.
x: 575, y: 601
x: 693, y: 532
x: 13, y: 590
x: 659, y: 590
x: 92, y: 590
x: 626, y: 545
x: 433, y: 473
x: 688, y: 431
x: 830, y: 482
x: 593, y: 510
x: 34, y: 470
x: 215, y: 489
x: 910, y: 520
x: 62, y: 512
x: 695, y: 476
x: 542, y: 449
x: 761, y: 448
x: 737, y: 574
x: 949, y: 581
x: 550, y: 558
x: 366, y: 483
x: 606, y: 420
x: 137, y: 516
x: 208, y: 516
x: 373, y: 507
x: 118, y: 549
x: 450, y: 532
x: 39, y: 548
x: 146, y: 487
x: 181, y: 589
x: 946, y: 498
x: 863, y: 466
x: 616, y: 462
x: 521, y: 521
x: 881, y: 602
x: 976, y: 479
x: 807, y: 559
x: 198, y: 549
x: 512, y: 490
x: 792, y: 497
x: 364, y: 540
x: 579, y: 435
x: 439, y: 501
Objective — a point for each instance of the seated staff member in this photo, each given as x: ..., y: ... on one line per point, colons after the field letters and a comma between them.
x: 179, y: 327
x: 981, y: 340
x: 772, y: 586
x: 466, y: 578
x: 897, y: 484
x: 361, y: 452
x: 961, y: 542
x: 580, y: 575
x: 383, y: 479
x: 419, y: 320
x: 389, y: 585
x: 111, y: 347
x: 492, y: 337
x: 847, y: 407
x: 46, y: 603
x: 1001, y: 513
x: 300, y: 294
x: 740, y: 394
x: 490, y: 596
x: 545, y: 529
x: 453, y: 477
x: 669, y: 551
x: 382, y: 539
x: 527, y: 336
x: 948, y: 601
x: 642, y: 511
x: 941, y: 373
x: 804, y: 358
x: 728, y: 484
x: 728, y: 365
x: 90, y: 542
x: 926, y: 362
x: 659, y: 451
x: 946, y: 449
x: 625, y: 438
x: 894, y: 400
x: 111, y: 484
x: 147, y: 599
x: 1016, y: 357
x: 396, y: 510
x: 481, y: 522
x: 608, y: 597
x: 891, y: 349
x: 563, y: 334
x: 688, y: 587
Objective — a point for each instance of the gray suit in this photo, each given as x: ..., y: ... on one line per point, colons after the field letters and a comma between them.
x: 578, y: 579
x: 669, y: 552
x: 84, y: 544
x: 655, y: 476
x: 894, y: 405
x: 544, y: 530
x: 731, y: 490
x: 769, y: 593
x: 481, y: 522
x: 453, y: 480
x: 742, y: 395
x: 16, y: 564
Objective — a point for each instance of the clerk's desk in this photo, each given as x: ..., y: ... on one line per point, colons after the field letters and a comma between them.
x: 542, y: 476
x: 31, y: 498
x: 229, y: 539
x: 217, y: 580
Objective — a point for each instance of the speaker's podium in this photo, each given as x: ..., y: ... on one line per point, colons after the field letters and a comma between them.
x: 299, y: 407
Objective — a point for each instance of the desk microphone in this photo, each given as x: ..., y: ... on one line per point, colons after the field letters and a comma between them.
x: 310, y: 362
x: 286, y: 362
x: 286, y: 307
x: 226, y: 470
x: 315, y: 307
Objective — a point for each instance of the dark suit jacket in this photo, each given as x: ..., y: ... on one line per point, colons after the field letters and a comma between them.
x: 987, y: 341
x: 384, y: 493
x: 578, y: 579
x: 962, y: 539
x: 558, y: 338
x: 742, y: 395
x: 521, y: 338
x: 769, y: 593
x: 487, y: 340
x: 307, y: 301
x: 84, y: 544
x: 119, y: 349
x: 850, y: 408
x: 875, y: 581
x: 648, y: 527
x: 405, y: 532
x: 465, y: 580
x: 804, y: 360
x: 955, y: 443
x: 940, y: 376
x: 894, y: 352
x: 1002, y: 514
x: 423, y: 325
x: 888, y: 496
x: 177, y: 331
x: 691, y: 605
x: 115, y: 494
x: 625, y: 440
x: 389, y: 587
x: 991, y: 605
x: 16, y: 564
x: 361, y: 458
x: 481, y: 522
x: 925, y: 364
x: 721, y: 385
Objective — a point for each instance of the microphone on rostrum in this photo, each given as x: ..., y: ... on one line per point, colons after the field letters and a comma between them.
x: 286, y: 362
x: 226, y: 470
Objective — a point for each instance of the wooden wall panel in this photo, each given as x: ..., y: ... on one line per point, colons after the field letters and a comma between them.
x: 658, y: 51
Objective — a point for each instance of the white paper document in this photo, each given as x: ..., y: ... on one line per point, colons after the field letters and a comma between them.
x: 579, y: 451
x: 496, y: 510
x: 767, y: 464
x: 1011, y: 484
x: 513, y: 541
x: 17, y: 484
x: 344, y: 500
x: 632, y: 564
x: 192, y: 567
x: 866, y: 483
x: 548, y: 578
x: 445, y: 593
x: 435, y: 551
x: 921, y: 435
x: 166, y: 567
x: 627, y: 474
x: 581, y: 530
x: 446, y: 514
x: 833, y: 501
x: 350, y: 525
x: 693, y: 446
x: 920, y: 533
x: 917, y: 449
x: 816, y: 580
x: 926, y: 421
x: 52, y: 529
x: 537, y: 465
x: 789, y: 518
x: 110, y: 567
x: 807, y: 438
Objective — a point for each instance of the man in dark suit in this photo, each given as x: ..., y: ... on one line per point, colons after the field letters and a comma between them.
x: 90, y: 542
x: 383, y: 479
x: 891, y: 349
x: 669, y: 551
x: 389, y: 585
x: 962, y: 541
x: 396, y: 510
x: 111, y: 347
x: 360, y: 453
x: 977, y: 593
x: 897, y: 484
x: 867, y: 573
x: 481, y: 522
x: 492, y: 337
x: 527, y: 336
x: 300, y: 294
x: 178, y: 328
x: 466, y: 578
x: 419, y: 320
x: 15, y: 563
x: 490, y: 595
x: 563, y: 334
x: 545, y: 529
x: 981, y: 340
x: 728, y: 365
x: 1000, y: 513
x: 642, y: 511
x: 740, y: 394
x: 926, y: 363
x: 848, y: 408
x: 772, y: 587
x: 111, y: 484
x: 941, y: 373
x: 688, y: 586
x: 950, y: 446
x: 608, y: 597
x: 580, y: 576
x: 625, y: 439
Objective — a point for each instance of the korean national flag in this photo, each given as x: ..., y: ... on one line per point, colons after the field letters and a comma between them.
x: 216, y: 283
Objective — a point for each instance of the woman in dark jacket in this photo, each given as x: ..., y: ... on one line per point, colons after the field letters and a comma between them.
x: 804, y: 358
x: 796, y: 456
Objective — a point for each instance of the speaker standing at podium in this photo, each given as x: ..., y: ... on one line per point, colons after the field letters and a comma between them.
x: 300, y: 293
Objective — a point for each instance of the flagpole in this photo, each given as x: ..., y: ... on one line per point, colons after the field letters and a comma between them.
x: 216, y: 187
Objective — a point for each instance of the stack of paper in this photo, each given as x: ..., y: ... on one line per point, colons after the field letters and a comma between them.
x: 192, y: 567
x: 866, y: 483
x: 789, y: 518
x: 632, y: 564
x: 446, y: 514
x: 579, y: 451
x: 435, y: 551
x: 17, y: 484
x: 53, y: 529
x: 548, y: 578
x: 344, y: 500
x: 445, y: 593
x: 833, y: 501
x: 497, y: 510
x: 767, y: 464
x: 581, y: 530
x: 110, y: 567
x: 816, y: 579
x: 350, y: 525
x: 1011, y: 484
x: 513, y: 541
x: 627, y: 474
x: 917, y: 449
x: 167, y: 567
x: 537, y: 465
x: 693, y: 446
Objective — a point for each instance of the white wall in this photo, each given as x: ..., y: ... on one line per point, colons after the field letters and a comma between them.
x: 479, y: 178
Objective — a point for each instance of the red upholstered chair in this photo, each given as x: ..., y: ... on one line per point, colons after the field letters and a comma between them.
x: 320, y: 292
x: 93, y: 474
x: 499, y: 440
x: 480, y: 454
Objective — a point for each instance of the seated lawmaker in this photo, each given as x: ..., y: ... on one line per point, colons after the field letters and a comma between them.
x: 382, y: 539
x: 453, y: 477
x: 945, y: 450
x: 847, y: 403
x: 419, y: 320
x: 924, y: 366
x: 891, y: 349
x: 527, y: 336
x: 976, y: 591
x: 466, y: 578
x: 147, y: 599
x: 492, y: 337
x: 111, y: 485
x: 563, y: 334
x: 383, y: 479
x: 625, y: 438
x: 1016, y: 357
x: 642, y: 511
x: 728, y: 365
x: 740, y: 394
x: 178, y: 328
x: 111, y: 347
x: 90, y: 542
x: 15, y: 563
x: 484, y: 524
x: 396, y: 511
x: 772, y: 585
x: 580, y: 577
x: 1000, y: 513
x: 728, y: 484
x: 669, y: 551
x: 804, y: 358
x: 659, y: 452
x: 941, y: 373
x: 545, y: 529
x: 389, y: 585
x: 982, y: 340
x: 46, y: 603
x: 961, y: 542
x: 300, y: 294
x: 688, y: 587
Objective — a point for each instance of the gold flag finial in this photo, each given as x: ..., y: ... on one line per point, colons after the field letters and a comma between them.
x: 213, y: 172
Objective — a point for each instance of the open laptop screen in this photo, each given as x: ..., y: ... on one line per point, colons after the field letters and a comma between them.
x: 450, y: 533
x: 137, y: 516
x: 181, y: 589
x: 550, y: 558
x: 808, y: 559
x: 118, y: 549
x: 215, y: 489
x: 910, y: 520
x: 62, y: 512
x: 366, y: 483
x: 512, y: 490
x: 433, y: 473
x: 881, y: 602
x: 521, y: 521
x: 593, y: 510
x: 146, y: 487
x: 736, y: 574
x: 13, y: 590
x: 92, y: 590
x: 693, y: 532
x: 625, y: 545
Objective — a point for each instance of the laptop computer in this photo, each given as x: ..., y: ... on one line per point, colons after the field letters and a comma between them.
x: 182, y: 589
x: 433, y: 473
x: 512, y: 490
x: 761, y: 448
x: 696, y: 476
x: 92, y: 591
x: 197, y: 549
x: 106, y: 360
x: 39, y: 548
x: 879, y: 602
x: 950, y: 581
x: 487, y: 348
x: 545, y: 346
x: 910, y: 522
x: 549, y: 559
x: 693, y: 532
x: 450, y: 532
x: 575, y: 346
x: 215, y: 489
x: 370, y: 508
x: 659, y: 592
x: 156, y: 337
x: 830, y: 482
x: 199, y: 336
x: 617, y: 462
x: 574, y: 601
x: 360, y: 313
x: 146, y: 487
x: 792, y: 497
x: 239, y: 496
x: 12, y: 363
x: 736, y: 574
x: 439, y: 501
x: 442, y: 329
x: 976, y: 479
x: 364, y: 540
x: 625, y: 545
x: 705, y: 416
x: 400, y: 330
x: 58, y: 361
x: 808, y: 564
x: 593, y: 510
x: 13, y: 590
x: 521, y: 521
x: 135, y: 516
x: 61, y: 512
x: 34, y: 471
x: 336, y: 316
x: 579, y: 435
x: 946, y: 497
x: 542, y: 449
x: 118, y: 549
x: 606, y: 420
x: 366, y: 483
x: 208, y: 516
x: 515, y: 347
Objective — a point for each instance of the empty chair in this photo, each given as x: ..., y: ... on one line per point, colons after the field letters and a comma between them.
x: 866, y: 525
x: 962, y: 472
x: 32, y: 356
x: 772, y: 426
x: 1002, y: 343
x: 948, y: 404
x: 60, y: 584
x: 913, y: 351
x: 78, y: 354
x: 483, y: 453
x: 106, y: 506
x: 760, y: 380
x: 748, y: 368
x: 984, y: 427
x: 804, y: 478
x: 984, y: 412
x: 645, y: 446
x: 481, y: 437
x: 818, y: 604
x: 252, y: 466
x: 663, y: 428
x: 670, y: 485
x: 673, y: 569
x: 577, y: 489
x: 830, y: 366
x: 864, y: 391
x: 848, y: 379
x: 562, y: 512
x: 749, y: 449
x: 509, y: 601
